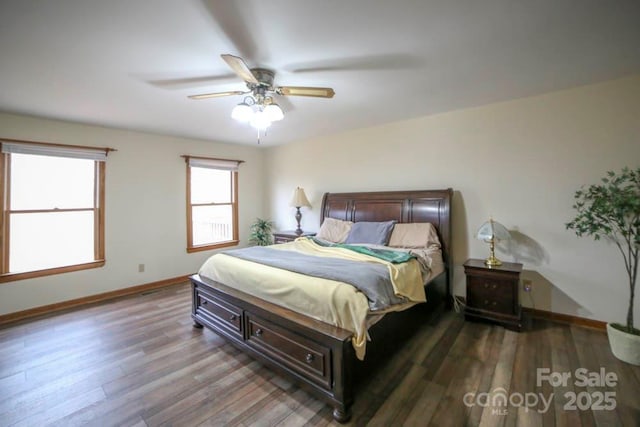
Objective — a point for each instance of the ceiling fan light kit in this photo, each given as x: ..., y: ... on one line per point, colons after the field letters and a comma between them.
x: 259, y: 109
x: 259, y: 113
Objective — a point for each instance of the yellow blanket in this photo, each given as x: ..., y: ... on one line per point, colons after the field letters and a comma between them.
x: 330, y: 301
x: 406, y: 277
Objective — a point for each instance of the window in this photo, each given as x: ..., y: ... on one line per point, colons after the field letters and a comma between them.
x: 212, y: 203
x: 53, y: 209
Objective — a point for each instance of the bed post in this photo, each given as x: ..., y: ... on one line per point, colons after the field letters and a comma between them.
x: 343, y: 362
x: 448, y: 238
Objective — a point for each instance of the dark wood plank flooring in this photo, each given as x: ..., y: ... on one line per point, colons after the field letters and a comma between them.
x: 137, y: 361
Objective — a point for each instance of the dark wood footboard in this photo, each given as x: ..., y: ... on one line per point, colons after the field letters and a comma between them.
x: 315, y: 355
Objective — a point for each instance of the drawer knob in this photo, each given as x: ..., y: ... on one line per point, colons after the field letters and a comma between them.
x: 258, y: 332
x: 494, y: 286
x: 309, y: 358
x: 493, y: 303
x: 486, y: 285
x: 232, y: 317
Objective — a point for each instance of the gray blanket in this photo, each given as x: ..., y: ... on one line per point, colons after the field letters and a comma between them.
x: 372, y: 279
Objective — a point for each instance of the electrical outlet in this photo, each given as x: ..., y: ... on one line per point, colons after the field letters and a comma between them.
x: 140, y: 268
x: 527, y: 285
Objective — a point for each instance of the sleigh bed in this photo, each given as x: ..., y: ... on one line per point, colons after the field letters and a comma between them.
x: 316, y: 355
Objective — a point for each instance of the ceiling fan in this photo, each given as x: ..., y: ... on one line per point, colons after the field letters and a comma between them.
x: 259, y: 108
x: 260, y: 82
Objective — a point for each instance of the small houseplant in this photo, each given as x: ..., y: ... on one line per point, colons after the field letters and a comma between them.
x: 611, y: 210
x: 261, y: 232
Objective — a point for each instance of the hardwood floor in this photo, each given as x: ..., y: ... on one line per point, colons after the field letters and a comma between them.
x: 137, y: 361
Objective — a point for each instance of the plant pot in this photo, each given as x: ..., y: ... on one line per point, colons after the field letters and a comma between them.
x: 624, y: 346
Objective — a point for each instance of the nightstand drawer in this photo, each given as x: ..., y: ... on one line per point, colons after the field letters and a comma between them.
x: 281, y: 239
x: 491, y: 294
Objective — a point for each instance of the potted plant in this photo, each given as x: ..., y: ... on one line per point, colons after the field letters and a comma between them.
x: 261, y: 232
x: 611, y: 210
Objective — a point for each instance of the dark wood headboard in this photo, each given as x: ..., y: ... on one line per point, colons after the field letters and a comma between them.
x: 432, y: 206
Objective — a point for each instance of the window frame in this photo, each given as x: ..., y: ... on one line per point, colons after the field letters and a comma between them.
x: 5, y: 222
x: 235, y: 240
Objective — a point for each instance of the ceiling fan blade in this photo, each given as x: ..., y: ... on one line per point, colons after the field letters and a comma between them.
x: 238, y: 65
x: 187, y: 82
x: 216, y: 94
x: 392, y: 61
x: 318, y: 92
x: 232, y: 19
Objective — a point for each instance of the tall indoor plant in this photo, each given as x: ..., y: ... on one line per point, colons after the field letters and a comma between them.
x: 261, y: 232
x: 611, y: 210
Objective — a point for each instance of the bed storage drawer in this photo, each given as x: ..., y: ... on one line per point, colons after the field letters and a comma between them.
x: 289, y: 349
x: 220, y: 312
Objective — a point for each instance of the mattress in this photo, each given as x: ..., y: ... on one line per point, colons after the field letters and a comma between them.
x: 333, y: 302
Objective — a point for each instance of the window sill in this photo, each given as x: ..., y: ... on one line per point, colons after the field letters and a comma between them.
x: 11, y: 277
x: 213, y: 246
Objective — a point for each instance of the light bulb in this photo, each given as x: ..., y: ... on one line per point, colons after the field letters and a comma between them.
x: 242, y: 112
x: 260, y: 120
x: 274, y: 112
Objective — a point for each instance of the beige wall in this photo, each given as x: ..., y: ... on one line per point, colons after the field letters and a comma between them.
x: 520, y: 161
x: 145, y: 208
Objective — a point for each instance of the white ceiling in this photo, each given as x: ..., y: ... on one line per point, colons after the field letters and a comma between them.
x: 131, y: 63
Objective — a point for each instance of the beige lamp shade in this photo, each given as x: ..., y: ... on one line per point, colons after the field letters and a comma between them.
x: 299, y: 199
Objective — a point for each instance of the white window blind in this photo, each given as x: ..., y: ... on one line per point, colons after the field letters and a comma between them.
x: 220, y: 164
x: 97, y: 154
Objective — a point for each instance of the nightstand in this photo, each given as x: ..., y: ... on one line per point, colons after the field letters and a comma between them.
x: 289, y: 236
x: 492, y: 292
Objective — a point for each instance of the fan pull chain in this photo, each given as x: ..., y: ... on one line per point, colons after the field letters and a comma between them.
x: 264, y: 134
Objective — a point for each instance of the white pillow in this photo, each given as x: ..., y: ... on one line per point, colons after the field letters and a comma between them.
x: 334, y: 230
x: 415, y: 235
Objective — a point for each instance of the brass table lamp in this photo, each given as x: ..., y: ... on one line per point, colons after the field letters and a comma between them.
x: 492, y: 232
